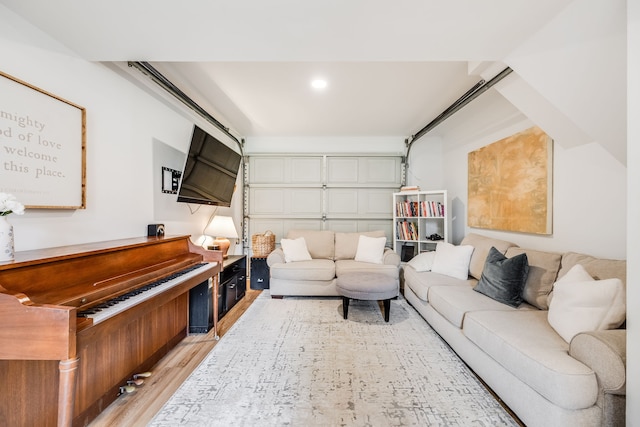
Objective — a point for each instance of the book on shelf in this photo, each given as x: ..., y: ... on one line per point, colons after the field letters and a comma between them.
x: 407, y: 208
x: 407, y: 230
x: 431, y: 208
x: 425, y: 208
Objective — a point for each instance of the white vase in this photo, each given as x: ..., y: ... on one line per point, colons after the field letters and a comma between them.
x: 6, y: 240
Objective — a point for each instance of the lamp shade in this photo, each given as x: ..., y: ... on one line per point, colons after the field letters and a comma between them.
x: 221, y: 226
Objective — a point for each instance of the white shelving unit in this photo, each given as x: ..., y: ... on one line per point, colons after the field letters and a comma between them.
x: 417, y: 215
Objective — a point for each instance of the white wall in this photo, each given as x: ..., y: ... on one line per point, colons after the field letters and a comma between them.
x: 425, y: 168
x: 633, y: 197
x: 589, y: 199
x: 577, y: 63
x: 589, y: 184
x: 123, y: 121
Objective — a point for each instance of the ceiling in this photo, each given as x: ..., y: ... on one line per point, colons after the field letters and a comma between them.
x: 391, y: 67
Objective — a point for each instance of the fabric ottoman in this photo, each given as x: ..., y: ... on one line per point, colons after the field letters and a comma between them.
x: 367, y: 286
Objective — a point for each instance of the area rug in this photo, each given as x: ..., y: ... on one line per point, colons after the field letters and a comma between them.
x: 297, y: 362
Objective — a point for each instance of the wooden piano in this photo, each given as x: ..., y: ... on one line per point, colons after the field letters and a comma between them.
x: 79, y: 321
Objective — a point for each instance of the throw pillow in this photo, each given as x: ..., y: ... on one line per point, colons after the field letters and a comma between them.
x: 581, y: 303
x: 370, y: 249
x: 503, y: 278
x: 346, y: 244
x: 320, y: 243
x: 452, y: 260
x: 295, y: 249
x: 543, y: 271
x: 423, y: 261
x: 481, y: 247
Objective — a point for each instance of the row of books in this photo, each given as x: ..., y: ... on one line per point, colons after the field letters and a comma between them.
x: 431, y: 208
x: 406, y: 230
x: 425, y: 208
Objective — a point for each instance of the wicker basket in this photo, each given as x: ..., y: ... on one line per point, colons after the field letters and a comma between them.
x: 263, y: 244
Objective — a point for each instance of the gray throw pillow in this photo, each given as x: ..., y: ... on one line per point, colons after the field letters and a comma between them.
x: 503, y: 278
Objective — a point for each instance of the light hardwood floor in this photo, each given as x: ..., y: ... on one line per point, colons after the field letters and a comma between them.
x: 139, y: 407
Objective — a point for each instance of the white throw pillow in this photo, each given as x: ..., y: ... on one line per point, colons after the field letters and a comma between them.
x: 582, y: 304
x: 423, y: 261
x: 577, y: 273
x: 452, y: 260
x: 295, y: 249
x: 370, y: 249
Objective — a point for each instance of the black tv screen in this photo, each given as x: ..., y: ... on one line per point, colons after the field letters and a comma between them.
x: 210, y: 171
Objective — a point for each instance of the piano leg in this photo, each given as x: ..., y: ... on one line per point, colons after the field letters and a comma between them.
x: 67, y: 391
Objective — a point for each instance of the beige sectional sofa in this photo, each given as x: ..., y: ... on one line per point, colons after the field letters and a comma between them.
x: 332, y: 253
x: 544, y: 379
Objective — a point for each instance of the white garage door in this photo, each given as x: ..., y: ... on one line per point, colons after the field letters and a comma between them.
x: 338, y: 192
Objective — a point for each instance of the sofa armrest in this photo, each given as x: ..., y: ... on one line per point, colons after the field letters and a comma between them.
x: 390, y: 257
x: 606, y: 353
x: 275, y: 257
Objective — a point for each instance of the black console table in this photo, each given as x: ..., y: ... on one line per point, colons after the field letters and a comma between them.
x: 233, y: 283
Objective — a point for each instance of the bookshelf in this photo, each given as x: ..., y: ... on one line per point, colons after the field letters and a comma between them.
x: 416, y: 216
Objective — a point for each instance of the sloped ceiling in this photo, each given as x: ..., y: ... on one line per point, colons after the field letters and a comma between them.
x: 391, y: 66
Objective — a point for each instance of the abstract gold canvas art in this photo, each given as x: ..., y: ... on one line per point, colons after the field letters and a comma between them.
x: 510, y: 184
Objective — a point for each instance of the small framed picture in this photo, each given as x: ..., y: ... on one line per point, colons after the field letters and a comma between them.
x: 408, y: 251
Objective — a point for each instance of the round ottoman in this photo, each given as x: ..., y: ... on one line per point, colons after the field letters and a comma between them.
x: 367, y: 286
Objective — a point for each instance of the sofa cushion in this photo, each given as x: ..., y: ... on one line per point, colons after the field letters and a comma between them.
x: 370, y: 249
x: 503, y: 278
x: 421, y: 282
x: 317, y: 269
x: 295, y: 250
x: 598, y: 268
x: 346, y: 244
x: 423, y: 261
x: 344, y: 266
x: 452, y: 260
x: 454, y: 302
x: 319, y: 243
x: 582, y: 304
x: 524, y: 343
x: 543, y: 271
x: 482, y: 245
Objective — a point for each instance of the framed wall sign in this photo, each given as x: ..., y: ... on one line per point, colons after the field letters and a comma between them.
x: 42, y: 141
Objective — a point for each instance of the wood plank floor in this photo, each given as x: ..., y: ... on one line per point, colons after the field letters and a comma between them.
x: 139, y: 407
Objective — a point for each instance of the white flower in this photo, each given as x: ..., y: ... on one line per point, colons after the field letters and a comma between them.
x: 9, y: 204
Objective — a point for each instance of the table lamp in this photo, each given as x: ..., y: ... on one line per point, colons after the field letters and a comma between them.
x: 222, y: 228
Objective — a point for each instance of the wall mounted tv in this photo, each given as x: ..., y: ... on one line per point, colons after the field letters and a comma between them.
x: 210, y: 171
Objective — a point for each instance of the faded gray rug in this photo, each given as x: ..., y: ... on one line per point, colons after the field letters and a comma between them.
x: 297, y: 362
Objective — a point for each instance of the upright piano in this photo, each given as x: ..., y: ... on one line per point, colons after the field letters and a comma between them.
x: 78, y: 321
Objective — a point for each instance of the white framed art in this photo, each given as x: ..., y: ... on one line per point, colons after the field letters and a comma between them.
x: 43, y: 143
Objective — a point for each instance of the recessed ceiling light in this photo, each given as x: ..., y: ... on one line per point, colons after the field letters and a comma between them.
x: 319, y: 84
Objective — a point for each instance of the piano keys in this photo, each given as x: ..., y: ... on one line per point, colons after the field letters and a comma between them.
x: 79, y: 321
x: 116, y: 305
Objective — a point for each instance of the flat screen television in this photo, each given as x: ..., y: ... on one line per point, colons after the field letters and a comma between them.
x: 210, y: 171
